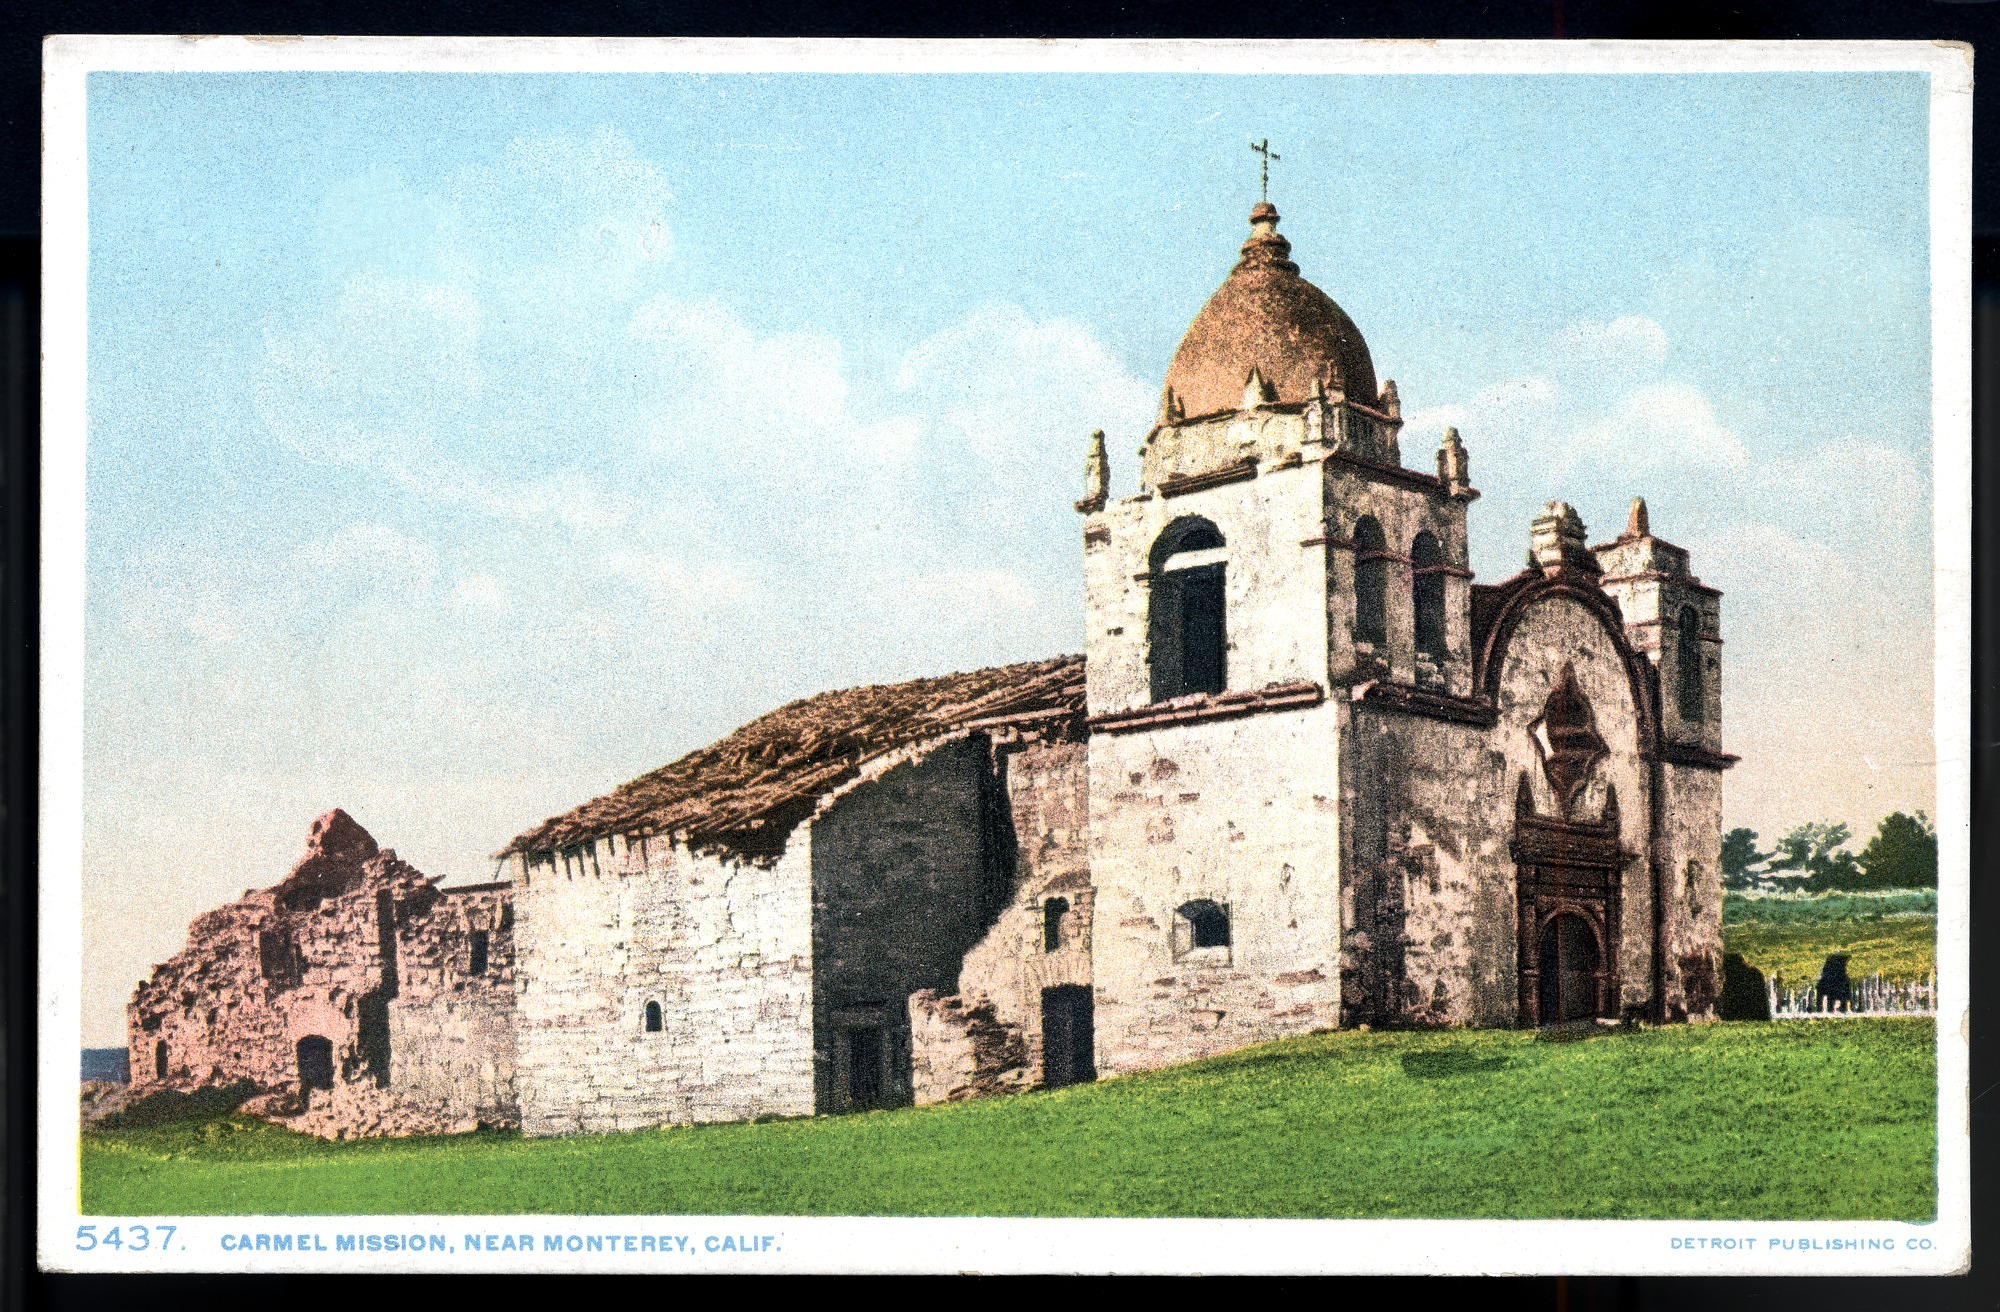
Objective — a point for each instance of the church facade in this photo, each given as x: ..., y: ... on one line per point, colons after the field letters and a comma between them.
x: 1307, y: 774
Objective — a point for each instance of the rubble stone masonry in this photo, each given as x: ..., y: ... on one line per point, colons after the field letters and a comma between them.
x: 356, y: 996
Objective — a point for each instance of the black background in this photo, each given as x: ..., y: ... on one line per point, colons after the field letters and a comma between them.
x: 23, y: 23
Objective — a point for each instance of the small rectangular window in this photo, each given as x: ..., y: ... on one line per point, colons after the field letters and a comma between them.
x: 479, y: 942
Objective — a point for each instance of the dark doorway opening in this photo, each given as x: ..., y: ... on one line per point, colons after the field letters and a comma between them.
x: 477, y: 966
x: 315, y: 1062
x: 1570, y: 971
x: 1069, y: 1037
x: 864, y: 1067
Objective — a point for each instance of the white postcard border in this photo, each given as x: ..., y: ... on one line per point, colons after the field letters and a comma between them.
x: 787, y: 1244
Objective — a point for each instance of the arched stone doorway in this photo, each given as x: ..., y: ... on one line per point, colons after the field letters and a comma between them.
x: 1567, y: 872
x: 1571, y: 983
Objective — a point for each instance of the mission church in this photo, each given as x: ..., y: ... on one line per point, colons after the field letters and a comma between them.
x: 1307, y: 774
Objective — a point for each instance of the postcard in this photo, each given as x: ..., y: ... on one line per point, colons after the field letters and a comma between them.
x: 808, y: 656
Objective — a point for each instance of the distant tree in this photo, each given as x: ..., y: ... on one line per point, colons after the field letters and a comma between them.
x: 1807, y: 847
x: 1739, y: 857
x: 1902, y: 854
x: 1814, y: 857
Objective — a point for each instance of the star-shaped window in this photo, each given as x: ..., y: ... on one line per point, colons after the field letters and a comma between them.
x: 1567, y: 738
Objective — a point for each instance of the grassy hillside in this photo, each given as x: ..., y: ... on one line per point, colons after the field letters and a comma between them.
x: 1809, y: 1120
x: 1894, y: 933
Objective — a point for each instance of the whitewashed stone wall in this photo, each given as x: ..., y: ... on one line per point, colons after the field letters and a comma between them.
x: 723, y: 946
x: 1427, y: 907
x: 1691, y: 860
x: 1244, y: 813
x: 1274, y: 584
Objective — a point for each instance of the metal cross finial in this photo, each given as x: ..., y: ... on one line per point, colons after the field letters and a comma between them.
x: 1264, y: 168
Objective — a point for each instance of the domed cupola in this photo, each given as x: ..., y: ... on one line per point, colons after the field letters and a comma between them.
x: 1266, y: 318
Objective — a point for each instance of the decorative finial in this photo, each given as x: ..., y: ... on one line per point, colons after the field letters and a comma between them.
x: 1096, y: 476
x: 1454, y: 466
x: 1635, y: 523
x: 1557, y: 540
x: 1263, y: 148
x: 1391, y: 403
x: 1256, y: 391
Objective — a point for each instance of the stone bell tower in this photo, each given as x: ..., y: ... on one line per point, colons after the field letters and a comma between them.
x: 1675, y: 621
x: 1222, y: 641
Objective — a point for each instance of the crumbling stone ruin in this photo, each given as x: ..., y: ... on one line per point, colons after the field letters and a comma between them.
x: 356, y: 996
x: 1307, y: 774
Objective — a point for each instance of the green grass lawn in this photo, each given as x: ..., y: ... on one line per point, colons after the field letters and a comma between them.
x: 1830, y: 1119
x: 1894, y: 933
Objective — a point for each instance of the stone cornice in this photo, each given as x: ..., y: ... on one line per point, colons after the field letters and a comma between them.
x: 1403, y: 699
x: 1201, y: 707
x: 1174, y: 485
x: 1696, y: 757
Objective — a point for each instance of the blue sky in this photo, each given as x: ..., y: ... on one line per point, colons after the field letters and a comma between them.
x: 461, y: 445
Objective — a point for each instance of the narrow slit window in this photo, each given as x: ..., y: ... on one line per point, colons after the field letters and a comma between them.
x: 477, y: 966
x: 653, y: 1021
x: 1688, y: 657
x: 1371, y: 582
x: 1427, y: 595
x: 1053, y: 912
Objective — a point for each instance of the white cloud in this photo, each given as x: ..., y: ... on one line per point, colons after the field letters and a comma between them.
x: 1013, y: 393
x: 1662, y: 425
x: 372, y: 558
x: 481, y: 592
x: 1627, y: 337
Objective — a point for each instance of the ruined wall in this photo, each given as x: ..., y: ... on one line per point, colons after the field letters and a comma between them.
x: 722, y: 946
x: 1691, y: 860
x: 1427, y: 906
x: 451, y: 1027
x: 1047, y: 809
x: 960, y: 1049
x: 1240, y: 812
x: 357, y: 949
x: 905, y: 879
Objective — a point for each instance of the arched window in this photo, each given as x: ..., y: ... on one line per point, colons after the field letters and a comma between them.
x: 1202, y: 924
x: 1688, y: 692
x: 160, y: 1060
x: 653, y: 1023
x: 1427, y: 595
x: 1186, y: 624
x: 1053, y: 912
x: 1371, y: 582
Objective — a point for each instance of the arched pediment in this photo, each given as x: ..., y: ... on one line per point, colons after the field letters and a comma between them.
x: 1522, y: 594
